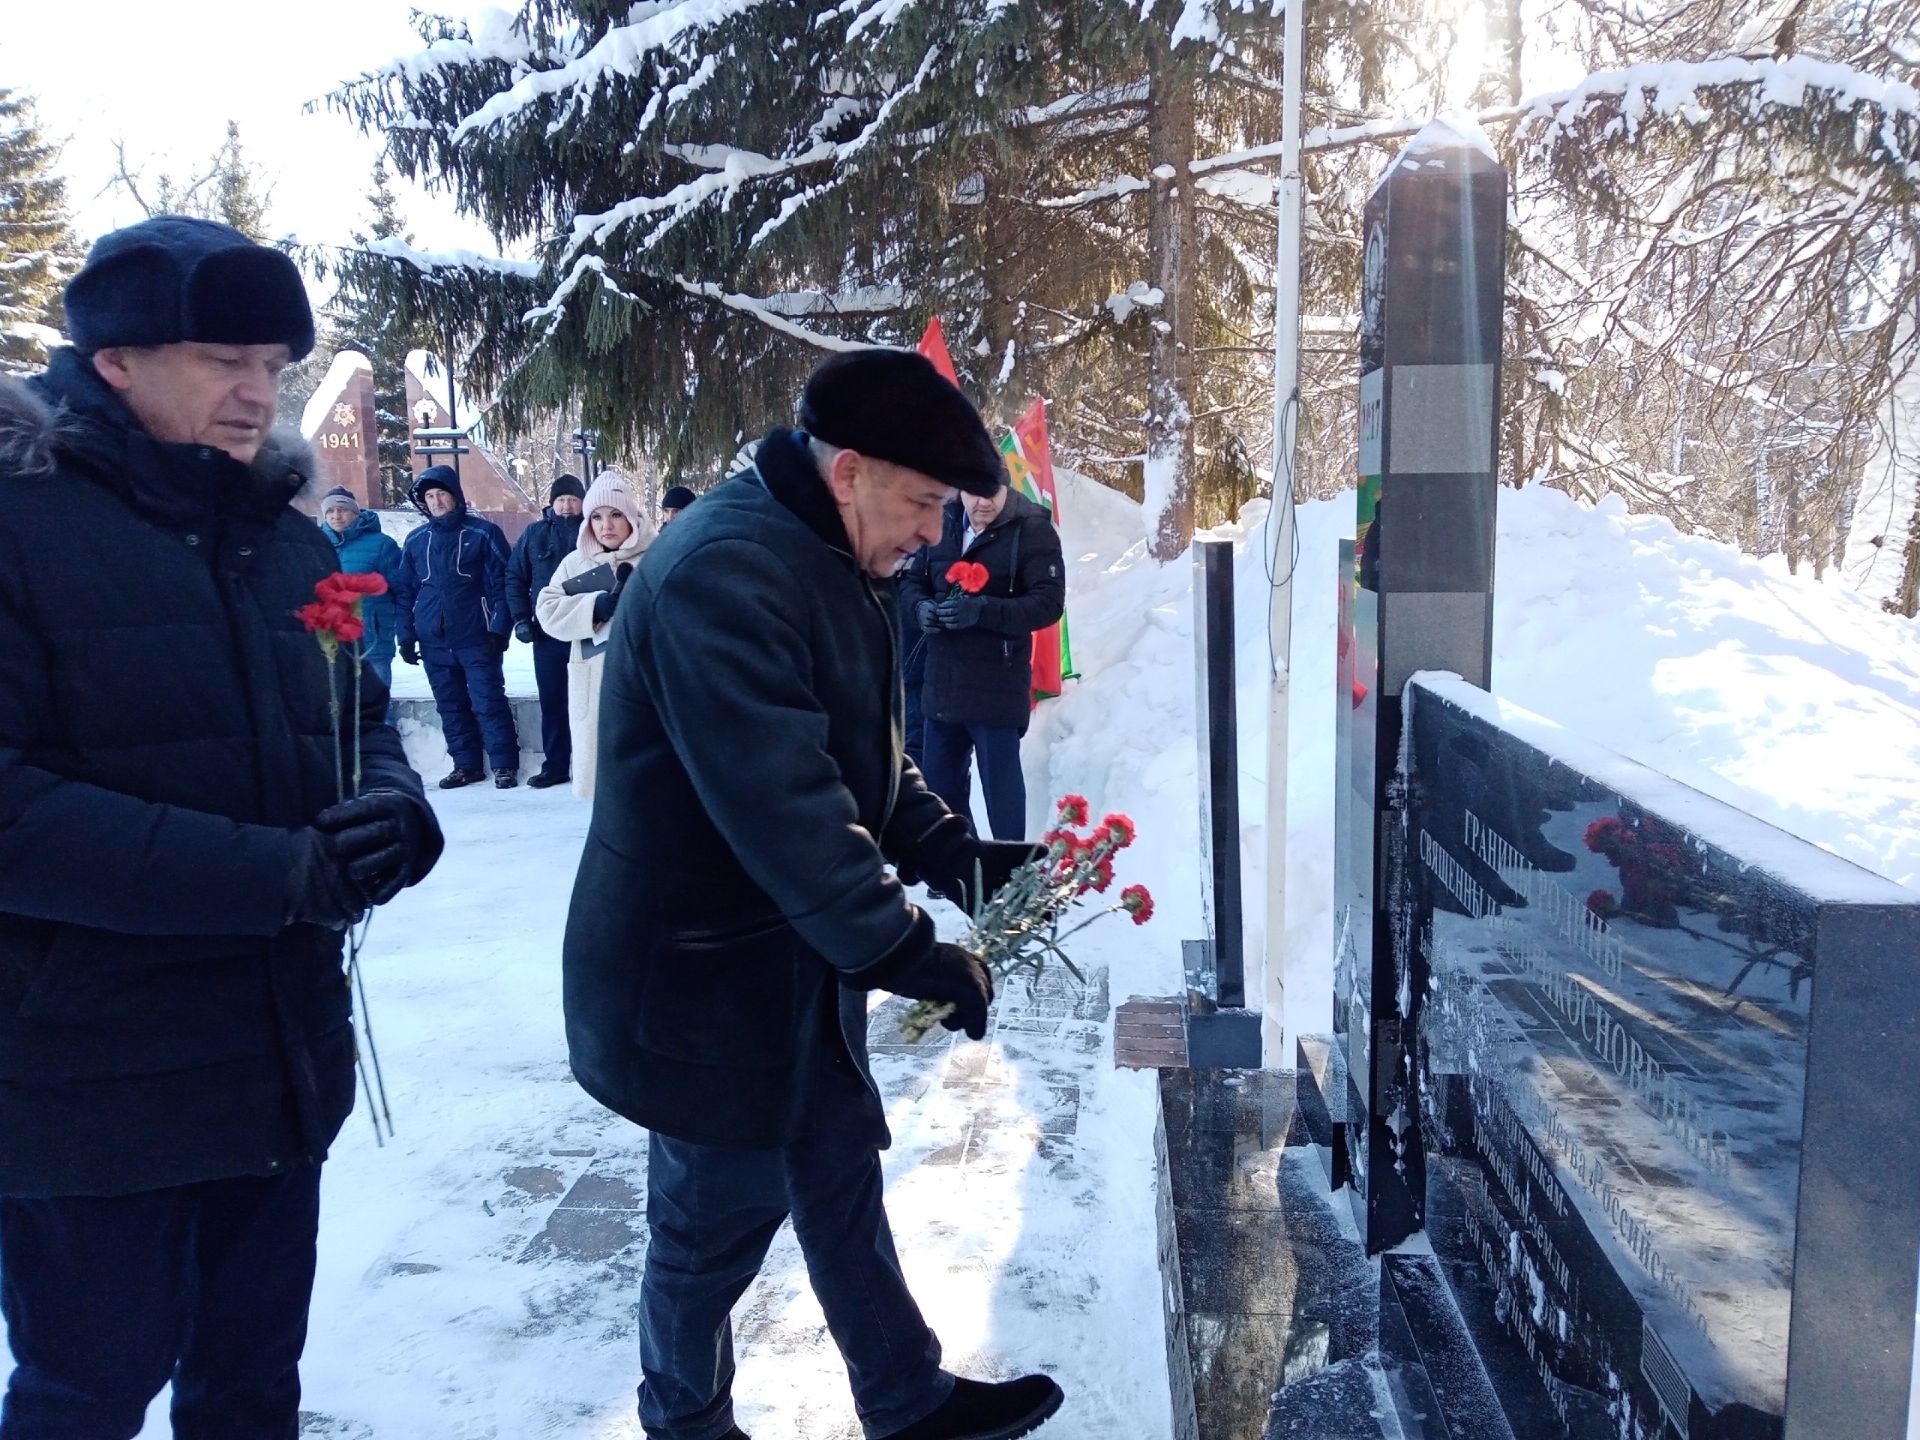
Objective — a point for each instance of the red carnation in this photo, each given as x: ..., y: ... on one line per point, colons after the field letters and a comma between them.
x: 1138, y: 903
x: 1102, y: 876
x: 1121, y: 829
x: 969, y: 575
x: 349, y: 630
x: 326, y: 617
x: 1602, y: 903
x: 1073, y: 810
x: 1606, y: 832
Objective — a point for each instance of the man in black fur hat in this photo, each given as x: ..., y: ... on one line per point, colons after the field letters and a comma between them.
x: 733, y: 907
x: 177, y: 863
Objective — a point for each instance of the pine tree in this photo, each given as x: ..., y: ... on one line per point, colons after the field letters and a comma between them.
x: 1699, y: 294
x: 38, y: 249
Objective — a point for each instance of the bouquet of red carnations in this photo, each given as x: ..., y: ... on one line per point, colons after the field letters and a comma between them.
x: 1017, y: 930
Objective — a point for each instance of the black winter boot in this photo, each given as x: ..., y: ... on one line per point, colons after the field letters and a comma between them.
x: 542, y: 781
x: 505, y: 779
x: 462, y: 777
x: 979, y: 1411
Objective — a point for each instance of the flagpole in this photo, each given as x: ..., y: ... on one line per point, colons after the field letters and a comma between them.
x: 1281, y: 533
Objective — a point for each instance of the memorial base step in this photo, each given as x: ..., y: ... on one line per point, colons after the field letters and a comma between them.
x: 1278, y: 1325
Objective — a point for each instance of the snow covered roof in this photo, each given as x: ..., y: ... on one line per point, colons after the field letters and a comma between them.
x: 346, y: 365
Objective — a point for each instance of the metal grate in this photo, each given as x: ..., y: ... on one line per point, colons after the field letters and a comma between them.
x: 1663, y: 1377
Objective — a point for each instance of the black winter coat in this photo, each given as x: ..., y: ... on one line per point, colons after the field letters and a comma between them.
x: 983, y: 675
x: 163, y: 725
x: 731, y: 904
x: 536, y: 555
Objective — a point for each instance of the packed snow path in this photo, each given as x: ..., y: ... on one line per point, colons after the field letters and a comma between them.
x: 478, y: 1275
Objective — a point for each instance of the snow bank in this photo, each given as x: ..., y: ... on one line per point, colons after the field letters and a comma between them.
x: 1796, y: 701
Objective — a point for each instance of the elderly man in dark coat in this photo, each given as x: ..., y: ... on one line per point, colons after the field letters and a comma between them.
x: 733, y: 908
x: 177, y: 864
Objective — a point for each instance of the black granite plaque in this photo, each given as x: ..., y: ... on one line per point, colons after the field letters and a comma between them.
x: 1688, y: 1170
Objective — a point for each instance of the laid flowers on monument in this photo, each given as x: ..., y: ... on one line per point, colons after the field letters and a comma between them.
x: 1018, y: 930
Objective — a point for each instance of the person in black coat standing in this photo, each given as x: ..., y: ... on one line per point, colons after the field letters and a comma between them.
x: 733, y: 907
x: 177, y: 864
x: 978, y: 688
x: 538, y: 553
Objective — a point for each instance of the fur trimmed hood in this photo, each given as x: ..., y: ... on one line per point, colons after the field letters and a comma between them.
x: 35, y: 429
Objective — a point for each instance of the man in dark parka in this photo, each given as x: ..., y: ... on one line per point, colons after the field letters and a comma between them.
x: 733, y: 907
x: 177, y: 865
x: 977, y: 689
x: 451, y: 604
x: 536, y: 555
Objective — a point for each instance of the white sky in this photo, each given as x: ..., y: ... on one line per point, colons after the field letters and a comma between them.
x: 166, y: 78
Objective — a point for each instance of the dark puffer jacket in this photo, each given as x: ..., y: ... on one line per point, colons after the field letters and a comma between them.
x: 452, y: 589
x: 536, y: 555
x: 163, y: 726
x: 364, y: 550
x: 983, y: 675
x: 732, y: 903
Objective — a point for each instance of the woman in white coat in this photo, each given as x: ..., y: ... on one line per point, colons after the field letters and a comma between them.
x: 577, y: 605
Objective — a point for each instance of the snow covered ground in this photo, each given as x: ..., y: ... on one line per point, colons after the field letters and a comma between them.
x: 478, y: 1274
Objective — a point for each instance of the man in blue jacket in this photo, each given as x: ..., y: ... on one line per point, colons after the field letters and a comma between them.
x: 453, y: 617
x: 177, y: 864
x: 541, y: 548
x: 364, y: 549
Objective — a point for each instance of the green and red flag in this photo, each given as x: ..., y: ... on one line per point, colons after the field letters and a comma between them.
x: 1030, y: 471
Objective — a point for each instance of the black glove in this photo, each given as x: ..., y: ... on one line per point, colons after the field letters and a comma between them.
x: 389, y: 839
x: 949, y: 975
x: 499, y: 642
x: 953, y: 863
x: 409, y: 652
x: 320, y: 890
x: 523, y: 632
x: 960, y: 612
x: 927, y: 616
x: 604, y: 604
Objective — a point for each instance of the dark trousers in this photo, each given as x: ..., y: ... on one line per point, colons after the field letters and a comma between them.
x: 470, y: 691
x: 556, y: 735
x: 107, y: 1299
x: 916, y: 726
x: 712, y: 1213
x: 951, y: 749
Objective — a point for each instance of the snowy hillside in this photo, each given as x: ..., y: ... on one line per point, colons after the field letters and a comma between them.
x: 1795, y: 700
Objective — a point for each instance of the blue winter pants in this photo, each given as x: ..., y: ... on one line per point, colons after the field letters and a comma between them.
x: 556, y: 734
x: 470, y: 691
x: 108, y: 1298
x: 950, y: 751
x: 712, y: 1213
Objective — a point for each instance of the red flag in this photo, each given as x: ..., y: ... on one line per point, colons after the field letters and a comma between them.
x: 933, y: 345
x: 1052, y: 650
x: 1032, y: 431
